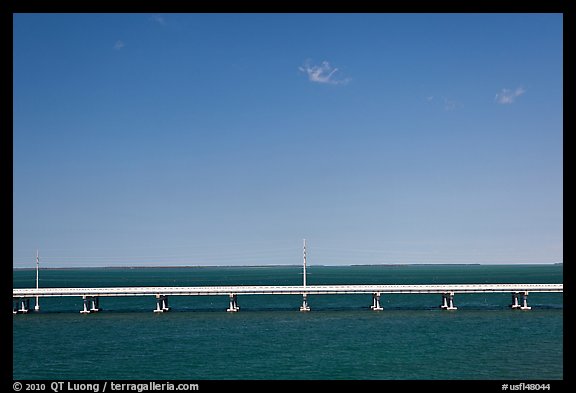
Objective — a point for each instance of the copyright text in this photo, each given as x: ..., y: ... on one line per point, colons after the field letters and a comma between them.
x: 104, y: 386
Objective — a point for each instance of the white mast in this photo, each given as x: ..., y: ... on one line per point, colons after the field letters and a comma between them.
x: 304, y: 264
x: 37, y: 306
x: 305, y: 306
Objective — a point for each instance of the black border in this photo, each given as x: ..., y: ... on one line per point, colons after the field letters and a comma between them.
x: 420, y: 386
x: 9, y: 7
x: 318, y: 6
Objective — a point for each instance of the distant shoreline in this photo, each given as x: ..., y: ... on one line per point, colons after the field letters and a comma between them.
x: 291, y: 265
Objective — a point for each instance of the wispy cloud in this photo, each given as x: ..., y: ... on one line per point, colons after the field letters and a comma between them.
x: 448, y: 104
x: 119, y: 45
x: 508, y: 96
x: 158, y: 19
x: 323, y: 73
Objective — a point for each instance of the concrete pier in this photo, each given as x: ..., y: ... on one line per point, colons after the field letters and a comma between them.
x: 448, y: 301
x: 304, y: 306
x: 376, y: 302
x: 85, y: 310
x: 515, y: 305
x: 94, y: 303
x: 162, y: 303
x: 525, y: 301
x: 233, y: 303
x: 21, y: 305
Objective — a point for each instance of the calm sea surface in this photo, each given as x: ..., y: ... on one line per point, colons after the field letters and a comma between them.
x: 341, y: 338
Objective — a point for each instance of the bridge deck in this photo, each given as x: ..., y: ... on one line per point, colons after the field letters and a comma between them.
x: 284, y: 290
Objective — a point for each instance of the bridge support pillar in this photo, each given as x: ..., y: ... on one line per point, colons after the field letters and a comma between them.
x: 85, y: 300
x: 525, y: 301
x: 24, y: 305
x: 233, y: 303
x: 21, y: 306
x: 376, y: 302
x: 90, y: 304
x: 515, y: 305
x: 95, y: 300
x: 448, y: 301
x: 162, y: 303
x: 305, y: 306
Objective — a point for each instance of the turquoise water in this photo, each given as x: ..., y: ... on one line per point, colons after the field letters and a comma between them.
x: 341, y: 338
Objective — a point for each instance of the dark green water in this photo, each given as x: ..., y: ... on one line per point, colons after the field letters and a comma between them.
x: 341, y: 338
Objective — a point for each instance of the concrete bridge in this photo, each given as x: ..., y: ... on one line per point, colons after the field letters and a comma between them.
x: 91, y: 296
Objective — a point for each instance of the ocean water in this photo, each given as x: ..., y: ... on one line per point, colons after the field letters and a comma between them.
x: 341, y: 338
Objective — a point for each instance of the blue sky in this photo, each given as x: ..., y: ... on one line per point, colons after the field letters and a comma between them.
x: 206, y: 139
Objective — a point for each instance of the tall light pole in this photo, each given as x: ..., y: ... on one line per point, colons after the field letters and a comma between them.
x: 304, y: 283
x: 37, y: 306
x: 305, y: 306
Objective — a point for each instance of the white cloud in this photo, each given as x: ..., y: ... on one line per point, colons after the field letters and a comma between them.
x: 158, y: 19
x: 448, y: 104
x: 119, y: 45
x: 324, y: 73
x: 508, y: 96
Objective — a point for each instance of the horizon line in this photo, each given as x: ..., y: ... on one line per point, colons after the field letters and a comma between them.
x: 285, y: 265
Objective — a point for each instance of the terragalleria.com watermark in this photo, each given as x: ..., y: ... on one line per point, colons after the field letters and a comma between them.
x: 104, y: 386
